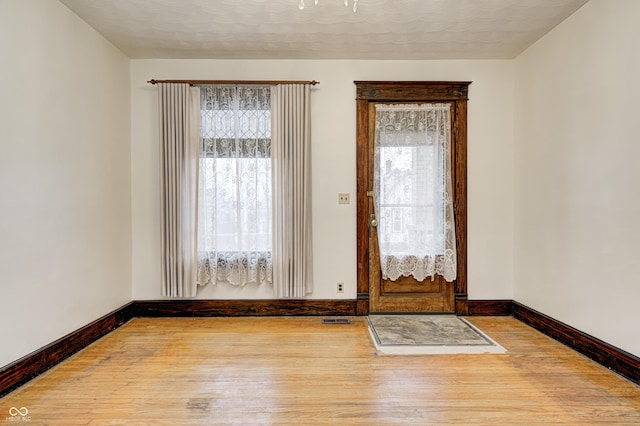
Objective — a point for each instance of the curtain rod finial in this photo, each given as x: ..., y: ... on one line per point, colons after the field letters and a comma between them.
x: 152, y: 81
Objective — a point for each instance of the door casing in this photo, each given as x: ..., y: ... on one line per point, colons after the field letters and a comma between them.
x: 411, y: 91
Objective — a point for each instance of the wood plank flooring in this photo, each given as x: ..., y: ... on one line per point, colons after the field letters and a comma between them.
x: 297, y: 371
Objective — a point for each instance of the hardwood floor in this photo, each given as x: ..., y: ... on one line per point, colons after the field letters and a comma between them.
x: 297, y: 371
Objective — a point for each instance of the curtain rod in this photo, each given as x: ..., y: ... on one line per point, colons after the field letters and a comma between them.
x: 264, y: 82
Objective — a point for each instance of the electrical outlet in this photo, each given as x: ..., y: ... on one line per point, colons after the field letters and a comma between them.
x: 343, y: 198
x: 340, y: 288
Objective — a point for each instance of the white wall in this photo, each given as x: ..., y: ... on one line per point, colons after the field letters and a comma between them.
x: 65, y: 231
x: 577, y: 203
x: 334, y: 165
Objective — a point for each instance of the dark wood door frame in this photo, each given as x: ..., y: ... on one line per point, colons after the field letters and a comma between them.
x: 412, y: 91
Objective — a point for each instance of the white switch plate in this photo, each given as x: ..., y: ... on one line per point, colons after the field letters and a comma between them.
x: 343, y: 198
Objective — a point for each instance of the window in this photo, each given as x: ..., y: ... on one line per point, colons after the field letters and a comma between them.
x: 235, y: 187
x: 409, y: 176
x: 234, y: 196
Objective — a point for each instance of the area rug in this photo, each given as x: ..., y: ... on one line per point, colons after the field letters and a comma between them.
x: 429, y: 335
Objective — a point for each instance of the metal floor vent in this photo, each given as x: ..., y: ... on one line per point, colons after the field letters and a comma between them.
x: 336, y: 321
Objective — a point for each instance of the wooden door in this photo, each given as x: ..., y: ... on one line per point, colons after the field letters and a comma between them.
x: 407, y: 295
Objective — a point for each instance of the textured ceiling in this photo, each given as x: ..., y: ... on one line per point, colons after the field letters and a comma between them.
x: 277, y: 29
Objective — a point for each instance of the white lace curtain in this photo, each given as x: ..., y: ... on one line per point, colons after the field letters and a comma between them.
x: 234, y: 193
x: 412, y: 191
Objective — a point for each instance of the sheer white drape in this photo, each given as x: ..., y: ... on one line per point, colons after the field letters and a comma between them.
x: 412, y: 191
x: 234, y: 211
x: 292, y: 265
x: 179, y: 116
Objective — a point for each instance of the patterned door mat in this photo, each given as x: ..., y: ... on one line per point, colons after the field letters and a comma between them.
x: 429, y: 334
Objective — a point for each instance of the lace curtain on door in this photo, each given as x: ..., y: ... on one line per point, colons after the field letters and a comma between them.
x: 412, y: 191
x: 234, y: 203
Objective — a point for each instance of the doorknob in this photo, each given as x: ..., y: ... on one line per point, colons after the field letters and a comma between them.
x: 372, y: 220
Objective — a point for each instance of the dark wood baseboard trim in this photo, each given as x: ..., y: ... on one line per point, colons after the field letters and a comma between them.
x: 461, y: 304
x: 243, y: 308
x: 37, y: 362
x: 609, y: 356
x: 490, y: 307
x: 362, y: 304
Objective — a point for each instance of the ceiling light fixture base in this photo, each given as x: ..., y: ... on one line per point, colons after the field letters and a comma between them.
x: 346, y: 4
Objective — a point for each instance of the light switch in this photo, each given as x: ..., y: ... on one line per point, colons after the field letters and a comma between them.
x: 343, y: 198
